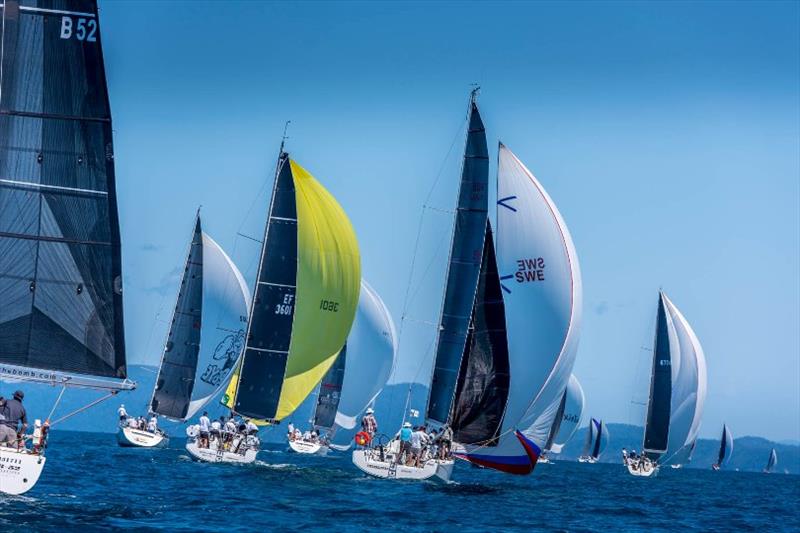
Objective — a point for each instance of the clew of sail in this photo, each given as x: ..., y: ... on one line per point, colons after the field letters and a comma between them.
x: 540, y: 280
x: 60, y: 264
x: 306, y: 297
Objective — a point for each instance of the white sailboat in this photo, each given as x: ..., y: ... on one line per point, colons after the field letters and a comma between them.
x: 677, y: 393
x: 60, y: 263
x: 355, y: 379
x: 771, y: 462
x: 568, y: 417
x: 205, y: 339
x: 725, y: 448
x: 497, y: 369
x: 596, y: 441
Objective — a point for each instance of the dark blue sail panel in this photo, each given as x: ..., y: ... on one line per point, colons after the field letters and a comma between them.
x: 598, y: 441
x: 175, y: 381
x: 723, y: 446
x: 269, y: 332
x: 556, y: 422
x: 60, y: 261
x: 484, y: 376
x: 330, y: 390
x: 463, y: 269
x: 656, y: 435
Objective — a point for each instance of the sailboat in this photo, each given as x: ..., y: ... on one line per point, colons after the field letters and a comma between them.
x: 725, y: 448
x: 306, y: 294
x: 568, y: 416
x: 678, y: 386
x: 355, y: 379
x: 771, y: 462
x: 205, y: 339
x: 497, y: 368
x: 596, y: 440
x: 61, y: 318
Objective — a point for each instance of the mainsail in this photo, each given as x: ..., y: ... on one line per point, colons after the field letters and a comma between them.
x: 60, y: 266
x: 600, y: 441
x: 677, y: 387
x: 592, y: 435
x: 772, y: 461
x: 571, y: 415
x: 725, y: 446
x: 206, y: 335
x: 305, y: 297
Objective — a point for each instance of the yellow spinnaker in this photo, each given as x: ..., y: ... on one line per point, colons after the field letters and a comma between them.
x: 328, y: 284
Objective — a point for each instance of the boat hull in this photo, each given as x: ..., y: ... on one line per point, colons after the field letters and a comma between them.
x: 368, y: 461
x: 19, y: 470
x: 645, y: 468
x: 215, y: 455
x: 585, y: 459
x: 136, y: 438
x: 308, y: 448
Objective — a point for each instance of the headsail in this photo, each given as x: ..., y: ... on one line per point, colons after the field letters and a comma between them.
x: 463, y: 269
x: 571, y: 417
x: 306, y: 296
x: 371, y: 350
x: 772, y: 461
x: 540, y: 280
x: 206, y: 336
x: 60, y: 265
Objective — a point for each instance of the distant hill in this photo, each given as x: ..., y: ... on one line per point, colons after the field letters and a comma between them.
x: 749, y: 453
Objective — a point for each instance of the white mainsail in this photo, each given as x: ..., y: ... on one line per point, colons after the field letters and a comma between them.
x: 573, y: 411
x: 371, y: 348
x: 541, y: 284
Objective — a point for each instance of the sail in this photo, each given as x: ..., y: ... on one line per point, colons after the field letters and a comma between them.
x: 656, y: 434
x: 772, y: 461
x: 601, y: 440
x: 689, y: 383
x: 206, y: 336
x: 571, y: 417
x: 371, y: 351
x: 330, y: 390
x: 554, y: 429
x: 540, y: 281
x: 463, y: 269
x: 592, y: 432
x: 306, y: 297
x: 60, y: 265
x: 725, y: 446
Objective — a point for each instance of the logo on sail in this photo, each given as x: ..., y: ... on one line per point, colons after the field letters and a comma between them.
x: 228, y: 351
x: 530, y: 270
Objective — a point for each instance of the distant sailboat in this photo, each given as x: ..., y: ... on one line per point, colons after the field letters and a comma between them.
x: 677, y: 392
x: 306, y: 294
x: 725, y: 448
x: 771, y: 462
x: 355, y: 379
x: 568, y: 416
x: 60, y: 263
x: 205, y: 339
x: 595, y: 443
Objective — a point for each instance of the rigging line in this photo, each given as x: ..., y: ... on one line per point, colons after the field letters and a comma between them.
x: 84, y: 408
x: 58, y: 400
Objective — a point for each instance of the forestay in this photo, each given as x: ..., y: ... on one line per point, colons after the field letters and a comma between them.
x: 60, y: 265
x: 206, y: 336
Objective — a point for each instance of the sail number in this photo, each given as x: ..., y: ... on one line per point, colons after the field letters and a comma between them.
x: 285, y: 308
x: 329, y: 305
x: 79, y: 28
x: 531, y: 269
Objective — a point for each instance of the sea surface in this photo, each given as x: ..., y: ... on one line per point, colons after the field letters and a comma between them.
x: 91, y: 483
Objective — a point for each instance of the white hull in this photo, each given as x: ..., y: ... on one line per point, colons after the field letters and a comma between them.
x: 215, y: 455
x: 19, y: 470
x: 586, y: 459
x: 368, y: 461
x: 136, y: 438
x: 641, y: 468
x: 676, y: 467
x: 308, y: 448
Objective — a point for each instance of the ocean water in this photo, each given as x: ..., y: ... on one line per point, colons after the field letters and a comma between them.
x: 91, y: 483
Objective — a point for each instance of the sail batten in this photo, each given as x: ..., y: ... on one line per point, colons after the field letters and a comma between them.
x: 59, y: 232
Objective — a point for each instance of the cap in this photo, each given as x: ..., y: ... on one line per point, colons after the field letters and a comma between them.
x: 407, y: 425
x: 19, y: 395
x: 370, y: 410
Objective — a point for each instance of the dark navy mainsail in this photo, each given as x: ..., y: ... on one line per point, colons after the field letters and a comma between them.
x: 60, y: 260
x: 330, y: 390
x: 656, y: 434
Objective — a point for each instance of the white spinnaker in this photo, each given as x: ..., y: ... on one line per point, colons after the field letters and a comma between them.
x: 604, y: 437
x: 573, y: 411
x: 371, y: 349
x: 542, y: 292
x: 226, y: 300
x: 689, y: 386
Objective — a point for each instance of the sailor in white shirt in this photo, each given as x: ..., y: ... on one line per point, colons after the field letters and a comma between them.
x: 152, y: 425
x: 204, y: 423
x: 123, y: 414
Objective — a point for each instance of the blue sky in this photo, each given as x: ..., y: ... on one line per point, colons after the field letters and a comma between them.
x: 668, y: 134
